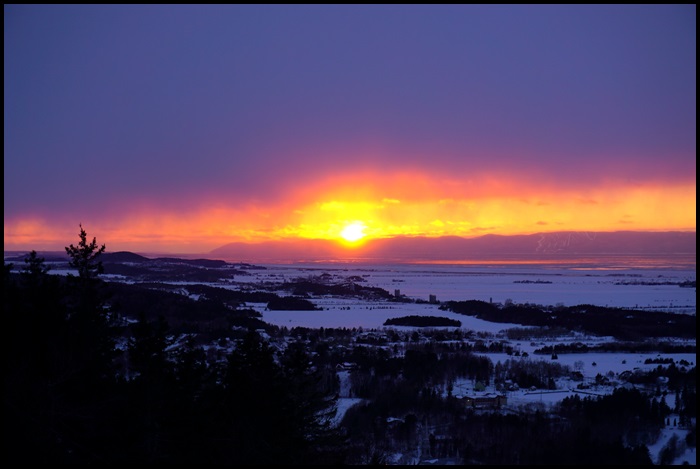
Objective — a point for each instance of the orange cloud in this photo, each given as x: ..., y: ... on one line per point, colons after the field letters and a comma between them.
x: 411, y: 202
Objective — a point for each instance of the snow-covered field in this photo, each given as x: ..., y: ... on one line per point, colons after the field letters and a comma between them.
x: 633, y: 288
x: 655, y: 289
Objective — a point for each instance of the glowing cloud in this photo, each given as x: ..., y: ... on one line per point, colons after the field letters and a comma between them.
x: 355, y: 207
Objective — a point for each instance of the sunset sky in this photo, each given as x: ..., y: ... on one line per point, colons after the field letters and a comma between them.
x: 182, y: 128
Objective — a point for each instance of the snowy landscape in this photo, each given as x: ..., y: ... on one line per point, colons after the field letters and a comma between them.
x: 330, y: 235
x: 653, y: 289
x: 628, y: 288
x: 422, y: 290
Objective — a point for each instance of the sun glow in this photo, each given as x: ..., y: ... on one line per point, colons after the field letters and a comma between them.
x: 353, y: 232
x: 355, y: 209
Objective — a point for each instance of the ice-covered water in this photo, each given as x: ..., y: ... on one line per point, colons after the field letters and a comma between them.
x: 653, y: 289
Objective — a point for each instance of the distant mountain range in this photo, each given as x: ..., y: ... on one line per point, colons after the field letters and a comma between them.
x: 541, y: 246
x: 676, y: 247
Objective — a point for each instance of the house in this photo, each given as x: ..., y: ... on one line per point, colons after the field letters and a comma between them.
x: 485, y: 401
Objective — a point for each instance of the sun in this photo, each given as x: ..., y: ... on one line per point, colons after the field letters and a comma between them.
x: 353, y: 232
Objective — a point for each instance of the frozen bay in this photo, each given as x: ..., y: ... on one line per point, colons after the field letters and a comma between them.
x: 652, y: 289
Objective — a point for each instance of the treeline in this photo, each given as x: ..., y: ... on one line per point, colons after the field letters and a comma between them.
x: 684, y: 284
x: 308, y: 287
x: 423, y: 321
x: 620, y: 323
x: 210, y: 315
x: 291, y: 303
x: 616, y: 347
x: 228, y: 296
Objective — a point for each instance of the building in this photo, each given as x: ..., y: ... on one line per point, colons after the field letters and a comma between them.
x: 485, y: 401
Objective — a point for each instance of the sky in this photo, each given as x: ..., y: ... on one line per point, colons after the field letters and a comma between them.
x: 181, y: 128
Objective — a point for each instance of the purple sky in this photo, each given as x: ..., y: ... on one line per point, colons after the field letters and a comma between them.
x: 126, y: 111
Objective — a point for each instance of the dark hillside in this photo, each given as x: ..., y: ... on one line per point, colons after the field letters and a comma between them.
x: 621, y: 323
x: 122, y: 256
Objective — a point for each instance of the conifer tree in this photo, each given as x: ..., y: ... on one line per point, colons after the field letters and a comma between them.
x: 89, y: 320
x: 85, y: 257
